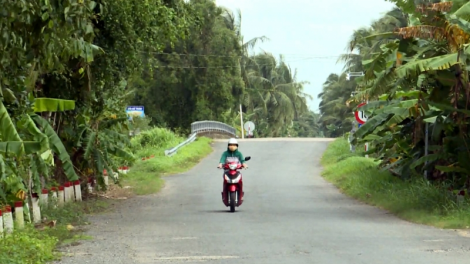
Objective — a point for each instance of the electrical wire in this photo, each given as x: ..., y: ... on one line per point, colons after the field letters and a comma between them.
x: 305, y: 58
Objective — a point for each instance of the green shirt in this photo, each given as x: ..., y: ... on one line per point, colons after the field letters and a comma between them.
x: 229, y: 153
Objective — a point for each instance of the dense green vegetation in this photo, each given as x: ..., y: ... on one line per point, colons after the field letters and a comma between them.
x: 69, y: 69
x: 415, y: 63
x: 208, y: 74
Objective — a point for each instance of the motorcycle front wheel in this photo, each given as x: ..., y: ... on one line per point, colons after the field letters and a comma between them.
x: 233, y: 197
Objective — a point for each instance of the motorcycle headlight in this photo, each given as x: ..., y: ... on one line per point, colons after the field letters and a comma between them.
x: 232, y: 166
x: 236, y: 180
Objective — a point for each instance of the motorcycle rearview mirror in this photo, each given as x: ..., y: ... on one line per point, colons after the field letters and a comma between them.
x: 247, y: 158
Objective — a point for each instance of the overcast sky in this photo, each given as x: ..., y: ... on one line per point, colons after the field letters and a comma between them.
x: 304, y: 30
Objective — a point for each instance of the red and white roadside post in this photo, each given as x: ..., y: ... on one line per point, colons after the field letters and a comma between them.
x: 8, y: 220
x: 43, y: 201
x: 61, y: 196
x: 105, y: 177
x: 89, y: 186
x: 67, y: 190
x: 124, y: 169
x: 78, y: 190
x: 19, y: 214
x: 361, y: 118
x: 54, y: 197
x: 71, y: 192
x: 1, y: 224
x: 36, y: 208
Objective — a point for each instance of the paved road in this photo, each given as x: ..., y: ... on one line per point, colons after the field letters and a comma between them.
x: 290, y: 215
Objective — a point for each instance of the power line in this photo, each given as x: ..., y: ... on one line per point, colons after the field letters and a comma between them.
x: 212, y: 67
x: 306, y: 56
x: 274, y: 64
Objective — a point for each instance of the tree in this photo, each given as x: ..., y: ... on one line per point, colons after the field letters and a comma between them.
x: 207, y: 75
x: 418, y: 79
x: 335, y: 113
x: 274, y: 97
x: 63, y: 78
x: 199, y: 78
x: 307, y: 126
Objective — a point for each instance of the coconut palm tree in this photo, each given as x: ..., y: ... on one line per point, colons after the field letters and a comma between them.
x: 335, y: 112
x: 273, y: 98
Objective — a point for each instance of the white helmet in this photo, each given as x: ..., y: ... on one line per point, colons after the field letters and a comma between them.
x: 232, y: 141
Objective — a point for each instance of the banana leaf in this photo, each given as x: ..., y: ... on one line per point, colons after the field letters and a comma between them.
x: 435, y: 63
x: 53, y: 105
x: 57, y: 146
x: 371, y: 125
x: 19, y: 148
x: 7, y: 128
x: 27, y: 123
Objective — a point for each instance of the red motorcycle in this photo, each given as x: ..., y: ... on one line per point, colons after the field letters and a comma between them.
x: 233, y: 183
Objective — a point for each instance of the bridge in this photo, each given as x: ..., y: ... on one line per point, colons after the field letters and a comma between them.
x: 213, y: 129
x: 221, y: 131
x: 206, y: 128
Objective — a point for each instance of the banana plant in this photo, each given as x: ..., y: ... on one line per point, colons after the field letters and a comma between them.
x: 423, y: 80
x: 105, y: 147
x: 101, y: 140
x: 25, y: 159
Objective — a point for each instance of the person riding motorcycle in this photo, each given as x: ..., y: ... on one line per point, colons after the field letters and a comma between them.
x: 232, y: 151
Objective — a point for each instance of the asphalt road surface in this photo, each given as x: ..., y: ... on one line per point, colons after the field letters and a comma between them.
x: 290, y: 215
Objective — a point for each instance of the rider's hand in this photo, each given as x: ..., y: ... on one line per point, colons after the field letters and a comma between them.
x: 220, y: 166
x: 245, y: 166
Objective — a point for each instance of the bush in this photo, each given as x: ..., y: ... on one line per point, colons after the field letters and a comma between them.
x: 140, y: 123
x: 27, y: 246
x: 153, y: 139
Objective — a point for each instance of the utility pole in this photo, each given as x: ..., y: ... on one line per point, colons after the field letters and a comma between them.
x: 426, y: 146
x: 352, y: 147
x: 241, y: 122
x: 367, y: 143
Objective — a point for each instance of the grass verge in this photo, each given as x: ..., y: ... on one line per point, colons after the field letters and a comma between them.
x: 61, y: 227
x: 416, y: 201
x: 145, y: 177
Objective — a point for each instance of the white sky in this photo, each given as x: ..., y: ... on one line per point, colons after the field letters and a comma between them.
x: 304, y: 29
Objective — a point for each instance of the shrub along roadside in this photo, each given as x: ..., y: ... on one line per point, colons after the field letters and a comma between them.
x: 145, y: 175
x: 416, y: 201
x: 27, y: 246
